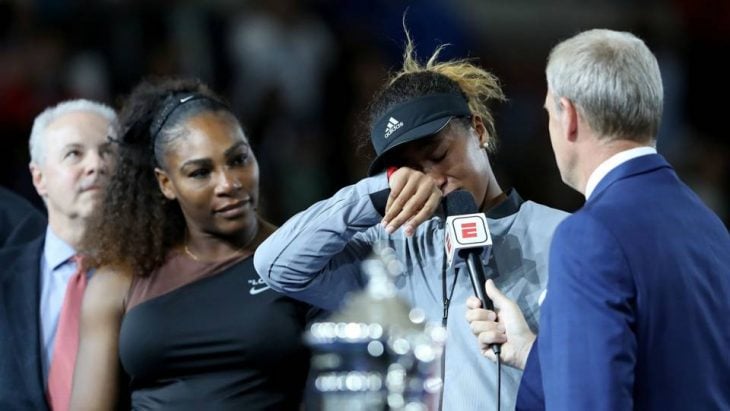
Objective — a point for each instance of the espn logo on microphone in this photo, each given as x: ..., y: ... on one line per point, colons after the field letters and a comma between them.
x: 464, y: 232
x: 470, y: 229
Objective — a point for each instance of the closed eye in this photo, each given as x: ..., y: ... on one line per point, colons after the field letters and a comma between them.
x: 439, y: 157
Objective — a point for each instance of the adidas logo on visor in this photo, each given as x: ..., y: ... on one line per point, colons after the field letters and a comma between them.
x: 392, y: 126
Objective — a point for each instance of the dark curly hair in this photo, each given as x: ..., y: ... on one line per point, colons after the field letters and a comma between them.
x: 478, y: 86
x: 136, y: 225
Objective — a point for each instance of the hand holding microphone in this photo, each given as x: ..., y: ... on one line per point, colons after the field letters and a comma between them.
x: 508, y: 329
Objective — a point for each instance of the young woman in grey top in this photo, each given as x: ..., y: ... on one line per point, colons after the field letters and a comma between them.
x: 432, y: 130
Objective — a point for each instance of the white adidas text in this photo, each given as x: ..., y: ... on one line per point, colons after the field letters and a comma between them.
x: 392, y: 126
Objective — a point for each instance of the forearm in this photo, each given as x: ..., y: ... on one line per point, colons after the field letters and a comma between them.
x: 315, y: 256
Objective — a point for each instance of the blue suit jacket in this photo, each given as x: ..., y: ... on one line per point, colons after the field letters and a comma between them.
x: 21, y: 376
x: 637, y: 313
x: 20, y: 221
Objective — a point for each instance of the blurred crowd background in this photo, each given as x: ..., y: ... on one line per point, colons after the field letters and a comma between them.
x: 301, y: 73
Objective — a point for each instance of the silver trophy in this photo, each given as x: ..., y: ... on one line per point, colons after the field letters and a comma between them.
x: 377, y: 353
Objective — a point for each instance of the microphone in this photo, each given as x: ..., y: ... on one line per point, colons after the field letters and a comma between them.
x: 467, y: 241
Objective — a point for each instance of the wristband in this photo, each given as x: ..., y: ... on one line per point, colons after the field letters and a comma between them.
x: 390, y: 170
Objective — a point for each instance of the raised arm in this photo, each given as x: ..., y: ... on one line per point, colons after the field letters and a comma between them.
x: 315, y: 256
x: 95, y: 384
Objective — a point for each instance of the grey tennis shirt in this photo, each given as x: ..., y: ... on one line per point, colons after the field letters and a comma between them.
x: 316, y: 255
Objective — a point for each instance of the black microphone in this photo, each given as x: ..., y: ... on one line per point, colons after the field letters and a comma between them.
x: 467, y: 240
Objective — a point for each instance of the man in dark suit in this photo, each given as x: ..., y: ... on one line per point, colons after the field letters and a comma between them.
x: 638, y: 297
x: 70, y: 158
x: 20, y: 221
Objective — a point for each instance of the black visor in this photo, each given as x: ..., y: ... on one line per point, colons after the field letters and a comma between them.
x: 412, y: 120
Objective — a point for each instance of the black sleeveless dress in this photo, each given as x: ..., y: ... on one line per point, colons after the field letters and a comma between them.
x: 221, y: 342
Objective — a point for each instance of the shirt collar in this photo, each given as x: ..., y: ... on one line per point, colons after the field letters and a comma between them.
x: 55, y: 250
x: 507, y: 207
x: 614, y: 161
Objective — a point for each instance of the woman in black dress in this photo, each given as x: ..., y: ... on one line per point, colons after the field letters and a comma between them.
x: 176, y: 299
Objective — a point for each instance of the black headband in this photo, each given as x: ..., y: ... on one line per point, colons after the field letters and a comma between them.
x: 412, y: 120
x: 172, y: 103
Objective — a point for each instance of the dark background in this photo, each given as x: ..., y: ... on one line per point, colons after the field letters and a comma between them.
x: 300, y: 73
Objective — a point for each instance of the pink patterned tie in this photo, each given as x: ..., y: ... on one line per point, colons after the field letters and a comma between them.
x: 60, y: 373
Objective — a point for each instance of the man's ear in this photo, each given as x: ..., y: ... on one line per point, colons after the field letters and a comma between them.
x: 569, y: 119
x: 163, y: 180
x: 477, y: 124
x: 39, y: 180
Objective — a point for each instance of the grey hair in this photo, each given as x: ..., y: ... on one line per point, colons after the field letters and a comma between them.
x: 614, y: 81
x: 41, y: 122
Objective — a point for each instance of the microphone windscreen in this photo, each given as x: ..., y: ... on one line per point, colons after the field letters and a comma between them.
x: 459, y: 202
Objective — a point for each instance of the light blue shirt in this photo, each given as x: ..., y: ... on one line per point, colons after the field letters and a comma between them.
x: 56, y: 269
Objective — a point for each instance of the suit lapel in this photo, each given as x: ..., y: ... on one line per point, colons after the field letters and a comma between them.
x: 21, y: 297
x: 635, y: 166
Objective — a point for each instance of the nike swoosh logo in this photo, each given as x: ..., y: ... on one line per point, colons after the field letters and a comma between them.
x: 254, y: 290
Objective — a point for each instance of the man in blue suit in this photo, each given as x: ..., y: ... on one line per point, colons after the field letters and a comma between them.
x: 637, y: 310
x: 70, y: 159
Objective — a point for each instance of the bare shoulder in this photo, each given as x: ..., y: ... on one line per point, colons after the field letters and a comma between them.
x: 107, y: 288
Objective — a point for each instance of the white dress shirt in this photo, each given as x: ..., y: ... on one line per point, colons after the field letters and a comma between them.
x: 614, y: 161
